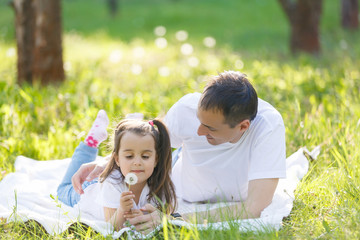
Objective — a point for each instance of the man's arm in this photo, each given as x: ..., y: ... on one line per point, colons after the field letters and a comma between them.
x: 260, y: 194
x: 87, y: 172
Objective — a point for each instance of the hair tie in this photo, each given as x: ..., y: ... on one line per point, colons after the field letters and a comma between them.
x: 151, y: 123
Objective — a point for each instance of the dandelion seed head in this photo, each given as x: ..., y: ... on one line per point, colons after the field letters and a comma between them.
x: 131, y: 178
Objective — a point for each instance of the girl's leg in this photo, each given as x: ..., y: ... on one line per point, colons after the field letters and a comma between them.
x: 84, y: 153
x: 175, y: 156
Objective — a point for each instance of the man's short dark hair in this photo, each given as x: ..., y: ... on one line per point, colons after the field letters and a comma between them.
x: 232, y: 94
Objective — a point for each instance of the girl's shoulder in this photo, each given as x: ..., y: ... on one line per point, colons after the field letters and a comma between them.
x: 114, y: 177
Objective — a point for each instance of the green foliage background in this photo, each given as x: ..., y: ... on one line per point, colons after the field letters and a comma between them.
x: 318, y: 97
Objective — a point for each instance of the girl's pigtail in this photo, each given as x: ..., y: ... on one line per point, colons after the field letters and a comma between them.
x: 162, y: 171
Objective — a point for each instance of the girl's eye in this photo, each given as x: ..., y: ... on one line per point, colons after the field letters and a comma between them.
x: 129, y: 157
x: 145, y: 157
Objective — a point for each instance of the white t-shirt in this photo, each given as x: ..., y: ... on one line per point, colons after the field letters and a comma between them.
x: 107, y: 194
x: 206, y: 172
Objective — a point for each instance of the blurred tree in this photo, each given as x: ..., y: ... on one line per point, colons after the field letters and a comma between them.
x: 350, y: 14
x: 113, y: 7
x: 304, y: 17
x: 38, y: 37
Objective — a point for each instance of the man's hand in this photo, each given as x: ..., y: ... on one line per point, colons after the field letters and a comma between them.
x: 87, y: 172
x: 133, y: 213
x: 147, y: 222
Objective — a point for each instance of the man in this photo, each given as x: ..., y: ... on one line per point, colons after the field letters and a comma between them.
x: 232, y: 149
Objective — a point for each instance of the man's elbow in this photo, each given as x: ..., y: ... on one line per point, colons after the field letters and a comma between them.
x: 255, y: 209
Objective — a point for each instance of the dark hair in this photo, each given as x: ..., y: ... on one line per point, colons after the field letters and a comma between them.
x: 232, y: 94
x: 160, y: 184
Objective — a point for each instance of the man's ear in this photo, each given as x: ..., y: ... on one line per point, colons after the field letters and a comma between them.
x: 243, y: 125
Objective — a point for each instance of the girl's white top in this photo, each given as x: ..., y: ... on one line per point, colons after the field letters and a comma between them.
x: 107, y: 194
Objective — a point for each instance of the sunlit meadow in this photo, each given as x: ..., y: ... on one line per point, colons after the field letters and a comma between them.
x: 146, y: 59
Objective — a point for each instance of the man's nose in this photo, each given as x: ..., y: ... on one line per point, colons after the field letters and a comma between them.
x: 201, y: 130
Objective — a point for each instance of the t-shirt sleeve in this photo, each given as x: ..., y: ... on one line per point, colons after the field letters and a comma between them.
x: 181, y: 119
x: 268, y: 158
x: 172, y: 123
x: 109, y: 195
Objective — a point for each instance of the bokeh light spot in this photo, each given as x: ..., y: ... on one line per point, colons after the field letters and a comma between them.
x: 161, y: 43
x: 139, y: 52
x: 239, y: 64
x: 67, y: 66
x: 186, y: 49
x: 136, y: 69
x: 193, y: 61
x: 164, y: 71
x: 343, y: 44
x: 160, y: 31
x: 181, y: 35
x: 209, y: 42
x: 10, y: 52
x: 115, y: 56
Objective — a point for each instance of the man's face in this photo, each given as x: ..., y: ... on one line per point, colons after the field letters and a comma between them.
x: 213, y: 126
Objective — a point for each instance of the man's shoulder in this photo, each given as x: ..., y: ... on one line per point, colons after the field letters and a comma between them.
x: 267, y: 120
x: 268, y: 113
x: 185, y: 107
x: 189, y: 100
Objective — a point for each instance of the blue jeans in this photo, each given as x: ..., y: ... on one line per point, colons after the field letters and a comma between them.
x: 175, y: 156
x: 66, y: 193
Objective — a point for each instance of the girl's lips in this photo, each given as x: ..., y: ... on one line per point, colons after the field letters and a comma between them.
x: 137, y: 171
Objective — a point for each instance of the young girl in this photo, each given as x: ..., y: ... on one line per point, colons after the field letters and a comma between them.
x: 140, y: 148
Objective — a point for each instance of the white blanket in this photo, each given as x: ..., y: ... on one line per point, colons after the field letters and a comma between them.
x: 30, y: 194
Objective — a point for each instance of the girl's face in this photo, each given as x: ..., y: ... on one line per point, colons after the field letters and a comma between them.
x: 137, y: 155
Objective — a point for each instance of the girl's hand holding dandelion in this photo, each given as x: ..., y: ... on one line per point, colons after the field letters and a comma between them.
x: 127, y: 201
x: 127, y: 198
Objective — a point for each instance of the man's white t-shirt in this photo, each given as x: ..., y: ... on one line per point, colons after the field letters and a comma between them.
x: 222, y: 172
x: 107, y: 194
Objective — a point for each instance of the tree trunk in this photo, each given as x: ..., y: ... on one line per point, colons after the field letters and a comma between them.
x: 38, y: 34
x: 350, y: 14
x: 113, y: 7
x: 304, y: 18
x: 24, y: 28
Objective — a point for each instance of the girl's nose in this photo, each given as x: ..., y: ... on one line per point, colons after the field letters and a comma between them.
x: 137, y: 161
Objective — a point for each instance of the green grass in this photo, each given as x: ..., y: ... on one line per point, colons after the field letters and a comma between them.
x: 317, y: 97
